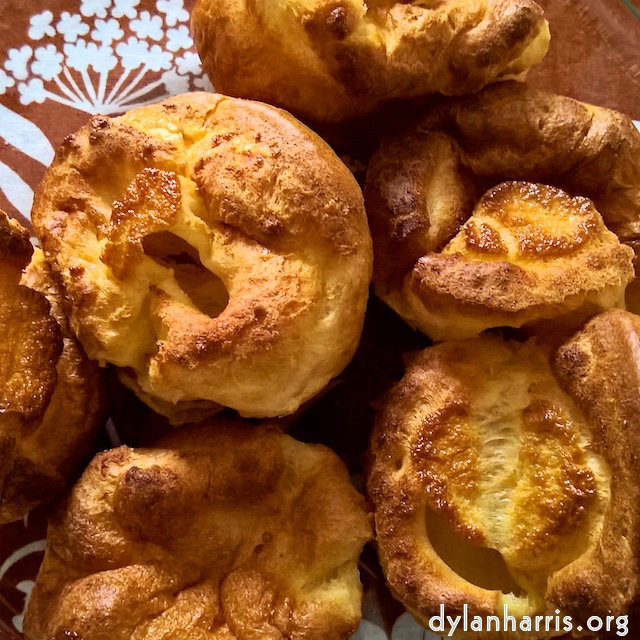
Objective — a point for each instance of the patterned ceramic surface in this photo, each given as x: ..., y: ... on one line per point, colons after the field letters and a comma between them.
x: 65, y: 60
x: 61, y: 60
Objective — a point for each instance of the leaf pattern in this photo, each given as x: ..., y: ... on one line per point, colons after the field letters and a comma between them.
x: 16, y: 190
x: 25, y: 136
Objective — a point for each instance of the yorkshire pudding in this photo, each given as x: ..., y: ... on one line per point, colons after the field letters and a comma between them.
x: 505, y: 474
x: 330, y: 61
x: 528, y: 254
x: 213, y: 249
x: 51, y: 396
x: 423, y: 184
x: 222, y: 531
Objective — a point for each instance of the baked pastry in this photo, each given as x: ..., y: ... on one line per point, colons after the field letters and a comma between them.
x: 213, y: 249
x: 331, y: 61
x: 529, y: 254
x: 505, y: 474
x: 424, y: 183
x: 51, y: 397
x: 221, y: 531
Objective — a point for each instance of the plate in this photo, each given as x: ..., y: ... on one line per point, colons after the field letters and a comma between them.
x: 63, y: 60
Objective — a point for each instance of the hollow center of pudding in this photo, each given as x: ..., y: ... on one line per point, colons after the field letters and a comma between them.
x: 481, y: 566
x: 205, y: 289
x: 513, y: 490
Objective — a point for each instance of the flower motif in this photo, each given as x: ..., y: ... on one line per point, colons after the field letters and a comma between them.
x: 47, y: 63
x: 98, y: 8
x: 106, y: 31
x: 32, y: 91
x: 158, y: 59
x: 147, y: 27
x: 178, y: 39
x: 71, y: 26
x: 6, y: 81
x: 202, y: 82
x: 188, y: 63
x: 40, y: 26
x: 174, y: 83
x: 80, y: 54
x: 93, y: 41
x: 122, y: 8
x: 133, y: 53
x: 17, y: 60
x: 104, y: 60
x: 173, y: 10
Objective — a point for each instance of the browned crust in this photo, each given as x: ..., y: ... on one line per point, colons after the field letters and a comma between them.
x: 264, y: 204
x: 421, y: 454
x: 599, y: 367
x: 505, y: 268
x: 508, y: 131
x: 15, y: 247
x: 399, y: 497
x: 222, y: 530
x: 52, y: 399
x: 514, y: 132
x: 407, y: 183
x: 331, y: 61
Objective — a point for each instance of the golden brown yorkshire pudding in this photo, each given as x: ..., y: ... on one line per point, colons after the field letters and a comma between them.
x: 51, y: 396
x: 528, y: 254
x: 505, y: 474
x: 222, y: 531
x: 213, y: 249
x: 424, y: 183
x: 329, y: 61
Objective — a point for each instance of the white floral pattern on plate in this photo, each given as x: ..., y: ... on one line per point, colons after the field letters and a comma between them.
x: 106, y: 58
x: 25, y: 586
x: 97, y: 69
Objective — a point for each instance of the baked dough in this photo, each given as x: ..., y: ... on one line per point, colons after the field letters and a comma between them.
x: 424, y: 183
x: 222, y: 531
x: 213, y: 249
x: 51, y: 397
x: 528, y: 255
x: 505, y: 473
x: 330, y: 61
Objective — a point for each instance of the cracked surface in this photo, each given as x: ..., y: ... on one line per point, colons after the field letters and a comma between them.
x: 223, y: 531
x: 213, y: 249
x: 331, y: 60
